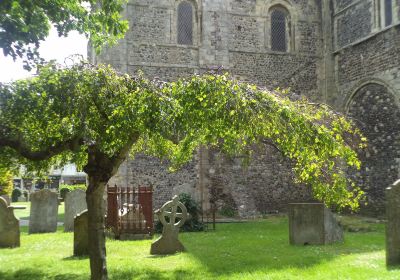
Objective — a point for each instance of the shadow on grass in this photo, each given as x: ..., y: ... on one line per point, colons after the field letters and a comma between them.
x: 264, y: 246
x: 75, y: 258
x: 150, y: 274
x: 29, y: 273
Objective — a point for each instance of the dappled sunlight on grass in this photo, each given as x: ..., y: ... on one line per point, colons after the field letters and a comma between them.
x: 253, y: 250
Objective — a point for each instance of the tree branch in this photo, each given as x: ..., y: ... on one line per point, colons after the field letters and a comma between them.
x: 18, y: 145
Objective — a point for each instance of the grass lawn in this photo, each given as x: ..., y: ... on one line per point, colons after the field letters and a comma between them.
x: 253, y: 250
x: 23, y: 214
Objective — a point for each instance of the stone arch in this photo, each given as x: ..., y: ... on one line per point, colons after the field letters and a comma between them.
x: 375, y: 110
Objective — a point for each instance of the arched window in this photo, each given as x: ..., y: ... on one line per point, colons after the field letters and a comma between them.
x: 280, y: 32
x: 185, y: 23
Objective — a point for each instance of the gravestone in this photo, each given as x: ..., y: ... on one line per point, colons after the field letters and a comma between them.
x: 44, y: 211
x: 81, y: 237
x: 6, y: 198
x: 9, y: 226
x: 75, y: 203
x: 393, y: 224
x: 169, y: 243
x: 312, y: 224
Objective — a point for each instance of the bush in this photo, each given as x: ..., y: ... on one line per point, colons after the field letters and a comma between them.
x: 6, y: 182
x: 227, y: 211
x: 193, y: 208
x: 64, y: 189
x: 16, y: 193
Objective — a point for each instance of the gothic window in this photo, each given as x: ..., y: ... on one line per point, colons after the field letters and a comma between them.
x: 279, y: 29
x: 185, y: 23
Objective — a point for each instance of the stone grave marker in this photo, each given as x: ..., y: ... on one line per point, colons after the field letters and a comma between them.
x: 81, y: 237
x: 312, y: 224
x: 393, y: 224
x: 169, y: 243
x: 75, y: 203
x: 44, y: 211
x: 6, y: 198
x: 9, y: 226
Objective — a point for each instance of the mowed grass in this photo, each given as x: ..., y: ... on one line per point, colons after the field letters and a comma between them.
x: 252, y: 250
x: 23, y: 214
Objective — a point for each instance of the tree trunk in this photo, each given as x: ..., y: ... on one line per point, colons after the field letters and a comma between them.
x: 97, y: 245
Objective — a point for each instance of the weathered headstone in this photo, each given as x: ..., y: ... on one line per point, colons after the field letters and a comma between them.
x: 75, y: 203
x: 393, y: 224
x: 9, y: 226
x: 44, y: 211
x: 6, y: 198
x: 312, y: 224
x: 81, y: 237
x: 169, y: 243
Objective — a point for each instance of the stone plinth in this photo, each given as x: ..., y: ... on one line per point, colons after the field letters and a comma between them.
x: 44, y: 211
x: 312, y: 224
x: 393, y: 224
x: 81, y: 237
x: 75, y: 203
x: 9, y: 226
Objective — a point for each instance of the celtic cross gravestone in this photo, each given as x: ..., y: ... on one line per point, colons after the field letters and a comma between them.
x: 172, y: 215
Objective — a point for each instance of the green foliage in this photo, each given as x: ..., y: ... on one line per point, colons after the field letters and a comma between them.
x: 219, y: 111
x: 6, y: 182
x: 16, y: 193
x: 88, y: 108
x: 227, y: 211
x: 25, y: 24
x: 64, y: 189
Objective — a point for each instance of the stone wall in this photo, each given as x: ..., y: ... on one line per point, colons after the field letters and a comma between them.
x: 367, y: 59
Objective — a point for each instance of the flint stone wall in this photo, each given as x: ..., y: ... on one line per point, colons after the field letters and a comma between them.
x: 368, y: 83
x: 44, y: 212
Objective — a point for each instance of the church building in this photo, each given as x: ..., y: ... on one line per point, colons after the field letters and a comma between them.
x: 345, y: 53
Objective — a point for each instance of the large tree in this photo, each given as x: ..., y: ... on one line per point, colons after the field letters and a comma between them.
x: 25, y: 24
x: 94, y: 117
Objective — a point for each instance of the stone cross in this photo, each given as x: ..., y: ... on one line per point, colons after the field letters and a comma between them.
x: 9, y: 226
x: 393, y: 224
x: 169, y: 243
x: 44, y: 211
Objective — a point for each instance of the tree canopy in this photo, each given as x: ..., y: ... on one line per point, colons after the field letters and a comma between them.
x: 24, y: 24
x: 59, y: 114
x: 6, y: 182
x: 94, y: 116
